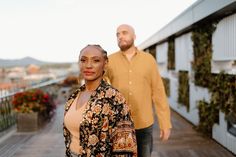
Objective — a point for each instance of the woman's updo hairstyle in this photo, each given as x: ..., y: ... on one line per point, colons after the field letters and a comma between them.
x: 98, y: 47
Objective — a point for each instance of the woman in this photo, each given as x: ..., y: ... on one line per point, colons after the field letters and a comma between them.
x: 97, y: 119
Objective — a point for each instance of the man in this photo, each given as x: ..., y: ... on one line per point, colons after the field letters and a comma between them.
x: 135, y: 74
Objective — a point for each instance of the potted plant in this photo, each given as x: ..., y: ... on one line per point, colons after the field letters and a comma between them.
x: 32, y: 107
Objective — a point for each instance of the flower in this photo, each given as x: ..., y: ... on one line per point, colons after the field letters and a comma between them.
x: 34, y: 100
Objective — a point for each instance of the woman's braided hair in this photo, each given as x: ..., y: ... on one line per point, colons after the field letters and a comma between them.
x: 98, y: 47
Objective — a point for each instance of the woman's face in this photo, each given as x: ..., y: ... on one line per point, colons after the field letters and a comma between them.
x: 92, y: 63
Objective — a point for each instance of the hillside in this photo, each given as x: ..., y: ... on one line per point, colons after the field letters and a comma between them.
x: 20, y: 62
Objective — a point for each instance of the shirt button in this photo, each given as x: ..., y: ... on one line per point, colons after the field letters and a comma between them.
x: 130, y: 82
x: 130, y: 93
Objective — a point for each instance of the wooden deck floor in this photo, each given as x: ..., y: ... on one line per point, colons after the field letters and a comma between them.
x: 186, y: 142
x: 48, y: 142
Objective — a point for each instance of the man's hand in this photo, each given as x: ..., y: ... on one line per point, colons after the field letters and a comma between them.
x: 165, y: 134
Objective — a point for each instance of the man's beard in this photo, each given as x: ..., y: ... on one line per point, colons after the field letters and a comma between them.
x: 126, y: 46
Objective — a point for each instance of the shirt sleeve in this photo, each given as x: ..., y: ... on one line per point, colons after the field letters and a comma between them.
x: 159, y: 97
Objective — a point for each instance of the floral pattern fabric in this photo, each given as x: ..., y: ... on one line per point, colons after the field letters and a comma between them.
x: 106, y: 129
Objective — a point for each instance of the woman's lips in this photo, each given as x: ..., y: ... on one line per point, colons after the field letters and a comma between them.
x: 88, y: 73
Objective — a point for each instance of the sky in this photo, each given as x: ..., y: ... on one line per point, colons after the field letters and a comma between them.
x: 56, y: 30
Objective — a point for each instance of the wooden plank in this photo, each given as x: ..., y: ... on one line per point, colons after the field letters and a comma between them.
x: 185, y: 142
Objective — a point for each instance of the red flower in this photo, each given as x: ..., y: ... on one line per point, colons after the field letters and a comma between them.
x: 34, y: 100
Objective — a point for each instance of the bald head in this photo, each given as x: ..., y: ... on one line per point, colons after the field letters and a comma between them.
x: 127, y: 27
x: 125, y: 36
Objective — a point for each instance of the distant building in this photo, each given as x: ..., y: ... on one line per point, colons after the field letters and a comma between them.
x: 15, y: 74
x: 32, y: 69
x: 2, y: 74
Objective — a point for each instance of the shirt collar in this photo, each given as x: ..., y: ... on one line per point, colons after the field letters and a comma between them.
x: 102, y: 84
x: 136, y: 52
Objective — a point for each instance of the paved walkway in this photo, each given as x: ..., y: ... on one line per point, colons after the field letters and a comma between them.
x: 48, y: 142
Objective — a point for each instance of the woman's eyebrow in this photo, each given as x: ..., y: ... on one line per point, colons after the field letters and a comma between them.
x: 91, y: 57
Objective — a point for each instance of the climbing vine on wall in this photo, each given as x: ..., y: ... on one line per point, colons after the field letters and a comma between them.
x: 223, y: 98
x: 221, y: 86
x: 202, y: 49
x: 171, y: 54
x: 166, y: 82
x: 208, y: 115
x: 183, y: 89
x: 223, y: 89
x: 152, y: 51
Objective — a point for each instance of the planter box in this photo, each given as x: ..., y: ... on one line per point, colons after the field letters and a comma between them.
x: 27, y: 122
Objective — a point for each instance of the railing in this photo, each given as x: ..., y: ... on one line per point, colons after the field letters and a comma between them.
x: 7, y: 115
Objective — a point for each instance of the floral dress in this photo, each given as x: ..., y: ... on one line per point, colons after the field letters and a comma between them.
x: 106, y: 129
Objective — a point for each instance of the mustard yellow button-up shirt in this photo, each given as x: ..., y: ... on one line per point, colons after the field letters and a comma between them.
x: 141, y: 84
